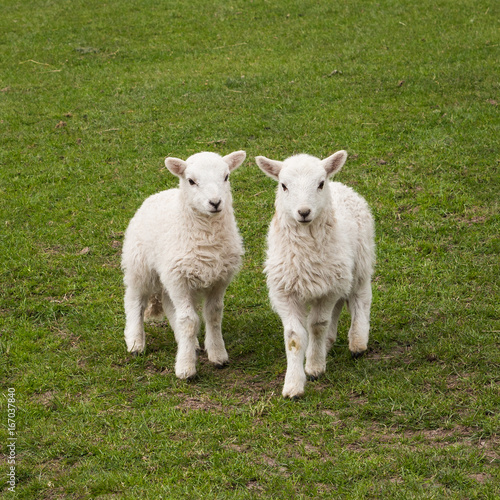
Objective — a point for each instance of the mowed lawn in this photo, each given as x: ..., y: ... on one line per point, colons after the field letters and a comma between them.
x: 93, y: 97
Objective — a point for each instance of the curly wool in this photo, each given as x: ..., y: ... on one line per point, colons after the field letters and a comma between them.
x: 320, y: 254
x: 181, y: 249
x: 325, y: 256
x: 204, y: 252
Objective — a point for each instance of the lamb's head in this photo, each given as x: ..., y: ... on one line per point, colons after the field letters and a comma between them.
x: 303, y: 190
x: 204, y: 179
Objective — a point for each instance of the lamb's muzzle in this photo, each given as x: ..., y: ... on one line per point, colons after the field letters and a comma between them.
x: 304, y: 212
x: 216, y: 205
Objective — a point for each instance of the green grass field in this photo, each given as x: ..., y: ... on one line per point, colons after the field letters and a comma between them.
x: 94, y: 96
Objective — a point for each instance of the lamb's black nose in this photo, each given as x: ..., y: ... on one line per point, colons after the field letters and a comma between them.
x: 215, y: 204
x: 304, y: 212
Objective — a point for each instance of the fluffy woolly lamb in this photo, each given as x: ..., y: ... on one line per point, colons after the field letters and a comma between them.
x: 321, y: 253
x: 183, y: 247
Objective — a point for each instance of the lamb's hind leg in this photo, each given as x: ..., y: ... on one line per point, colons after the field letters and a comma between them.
x: 332, y: 331
x: 212, y: 312
x: 135, y: 304
x: 318, y: 327
x: 168, y: 308
x: 359, y: 306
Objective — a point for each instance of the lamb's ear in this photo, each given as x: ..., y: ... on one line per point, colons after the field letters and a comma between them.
x: 334, y: 163
x: 269, y: 167
x: 176, y: 166
x: 234, y: 160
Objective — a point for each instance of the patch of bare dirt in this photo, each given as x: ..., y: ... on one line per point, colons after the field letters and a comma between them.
x: 439, y: 438
x: 45, y: 398
x: 203, y: 403
x: 63, y: 333
x: 480, y: 478
x: 401, y: 352
x: 254, y: 485
x: 490, y: 448
x: 250, y: 389
x: 53, y: 250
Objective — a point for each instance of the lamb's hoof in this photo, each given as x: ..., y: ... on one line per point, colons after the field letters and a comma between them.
x: 312, y: 378
x: 356, y: 355
x: 188, y: 375
x: 221, y: 366
x: 136, y: 354
x: 293, y: 397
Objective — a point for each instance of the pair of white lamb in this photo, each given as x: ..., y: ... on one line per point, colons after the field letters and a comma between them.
x: 182, y: 248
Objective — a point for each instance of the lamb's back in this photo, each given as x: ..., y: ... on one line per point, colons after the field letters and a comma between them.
x: 354, y: 216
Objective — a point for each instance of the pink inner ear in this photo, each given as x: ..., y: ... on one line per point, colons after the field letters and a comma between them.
x: 235, y: 159
x: 270, y: 167
x: 334, y: 163
x: 175, y: 165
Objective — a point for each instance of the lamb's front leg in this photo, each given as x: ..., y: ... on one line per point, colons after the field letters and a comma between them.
x: 169, y: 310
x: 212, y: 312
x: 186, y: 328
x: 292, y: 313
x: 318, y: 326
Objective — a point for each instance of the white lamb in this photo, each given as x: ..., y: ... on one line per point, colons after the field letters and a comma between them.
x: 181, y: 247
x: 321, y: 253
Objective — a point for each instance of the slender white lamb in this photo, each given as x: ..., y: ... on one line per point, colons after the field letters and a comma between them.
x: 321, y: 253
x: 183, y: 247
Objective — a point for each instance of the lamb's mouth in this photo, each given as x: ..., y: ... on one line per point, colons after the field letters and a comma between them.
x: 305, y: 221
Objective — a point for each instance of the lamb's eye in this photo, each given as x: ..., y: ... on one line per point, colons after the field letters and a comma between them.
x: 321, y: 185
x: 191, y: 182
x: 284, y: 187
x: 226, y: 178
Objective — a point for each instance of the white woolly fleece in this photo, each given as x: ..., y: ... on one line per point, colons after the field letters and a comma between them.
x: 320, y: 254
x: 182, y: 247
